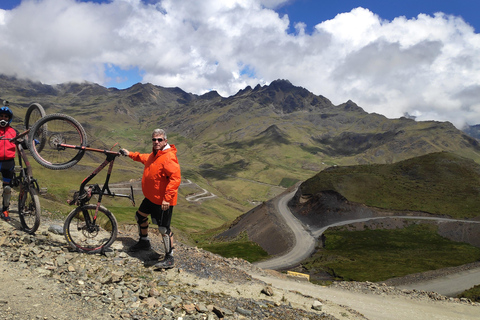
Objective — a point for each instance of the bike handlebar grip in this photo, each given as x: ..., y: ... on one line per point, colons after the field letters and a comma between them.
x: 122, y: 152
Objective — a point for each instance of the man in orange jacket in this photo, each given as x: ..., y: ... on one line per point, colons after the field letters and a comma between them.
x: 160, y: 181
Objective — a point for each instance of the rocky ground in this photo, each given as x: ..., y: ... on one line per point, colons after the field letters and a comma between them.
x: 41, y: 278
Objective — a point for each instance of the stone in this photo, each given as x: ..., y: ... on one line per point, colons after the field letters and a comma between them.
x: 268, y: 291
x: 317, y: 305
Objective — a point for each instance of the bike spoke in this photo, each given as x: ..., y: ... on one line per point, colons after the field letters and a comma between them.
x: 29, y: 210
x: 88, y: 231
x: 61, y: 130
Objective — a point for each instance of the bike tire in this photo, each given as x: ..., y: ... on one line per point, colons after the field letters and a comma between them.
x: 29, y: 209
x: 99, y: 237
x: 60, y: 129
x: 34, y: 113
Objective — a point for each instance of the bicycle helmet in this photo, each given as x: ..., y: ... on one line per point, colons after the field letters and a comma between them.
x: 6, y: 110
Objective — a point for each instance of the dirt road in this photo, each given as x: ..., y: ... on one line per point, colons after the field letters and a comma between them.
x: 379, y: 307
x: 304, y: 242
x: 449, y: 285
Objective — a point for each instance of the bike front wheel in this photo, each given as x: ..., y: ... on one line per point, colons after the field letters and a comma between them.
x: 29, y: 209
x: 65, y: 140
x: 34, y: 113
x: 90, y: 231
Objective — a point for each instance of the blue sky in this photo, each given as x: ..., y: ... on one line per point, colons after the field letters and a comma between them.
x: 390, y: 57
x: 313, y: 12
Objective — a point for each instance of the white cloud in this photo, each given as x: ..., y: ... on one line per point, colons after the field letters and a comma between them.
x: 428, y: 66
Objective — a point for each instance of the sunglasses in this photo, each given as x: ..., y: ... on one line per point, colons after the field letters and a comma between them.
x: 157, y: 139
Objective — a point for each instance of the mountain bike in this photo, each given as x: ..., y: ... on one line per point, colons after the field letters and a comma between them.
x: 29, y: 209
x: 89, y: 228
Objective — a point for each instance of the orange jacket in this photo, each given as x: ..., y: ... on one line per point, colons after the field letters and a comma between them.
x: 161, y: 176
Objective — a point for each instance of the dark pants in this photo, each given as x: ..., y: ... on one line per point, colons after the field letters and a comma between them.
x: 161, y: 218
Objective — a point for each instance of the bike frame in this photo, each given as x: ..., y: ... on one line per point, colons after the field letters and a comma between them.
x: 83, y: 196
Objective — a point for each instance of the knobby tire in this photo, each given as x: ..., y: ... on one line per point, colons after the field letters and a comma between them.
x: 61, y: 129
x: 98, y: 238
x: 34, y: 113
x: 29, y: 209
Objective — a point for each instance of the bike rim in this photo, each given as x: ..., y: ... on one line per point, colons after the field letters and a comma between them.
x: 28, y: 210
x: 61, y: 130
x: 94, y: 238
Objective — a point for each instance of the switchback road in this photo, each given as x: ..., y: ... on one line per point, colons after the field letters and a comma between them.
x: 305, y: 245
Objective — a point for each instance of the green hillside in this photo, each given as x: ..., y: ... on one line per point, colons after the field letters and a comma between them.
x: 245, y: 149
x: 438, y: 183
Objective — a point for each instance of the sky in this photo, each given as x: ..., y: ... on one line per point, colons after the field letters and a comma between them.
x: 420, y: 58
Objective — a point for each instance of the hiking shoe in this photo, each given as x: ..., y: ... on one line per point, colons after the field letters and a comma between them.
x: 140, y: 245
x: 4, y: 215
x: 167, y: 263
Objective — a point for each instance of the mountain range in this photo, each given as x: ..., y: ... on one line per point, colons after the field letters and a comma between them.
x: 246, y: 148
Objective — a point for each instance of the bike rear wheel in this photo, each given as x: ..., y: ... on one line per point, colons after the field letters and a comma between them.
x: 61, y: 129
x: 29, y: 209
x: 34, y: 113
x: 85, y: 233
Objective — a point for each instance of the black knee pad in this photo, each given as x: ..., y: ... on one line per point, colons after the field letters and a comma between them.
x: 141, y: 220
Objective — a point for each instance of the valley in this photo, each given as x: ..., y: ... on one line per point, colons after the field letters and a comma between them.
x: 446, y: 282
x: 239, y: 153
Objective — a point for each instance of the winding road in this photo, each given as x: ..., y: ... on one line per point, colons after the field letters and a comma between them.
x: 204, y: 194
x: 304, y: 241
x: 305, y: 246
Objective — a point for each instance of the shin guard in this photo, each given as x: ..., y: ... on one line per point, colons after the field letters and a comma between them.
x: 167, y: 240
x: 7, y: 193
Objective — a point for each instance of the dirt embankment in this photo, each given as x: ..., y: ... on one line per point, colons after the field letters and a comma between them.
x: 264, y: 226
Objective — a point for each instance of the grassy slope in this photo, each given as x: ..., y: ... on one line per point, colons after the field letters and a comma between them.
x: 377, y: 255
x: 226, y: 147
x: 472, y: 294
x: 437, y: 183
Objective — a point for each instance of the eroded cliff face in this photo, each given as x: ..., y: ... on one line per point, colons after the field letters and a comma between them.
x: 264, y: 227
x: 462, y: 232
x: 327, y: 207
